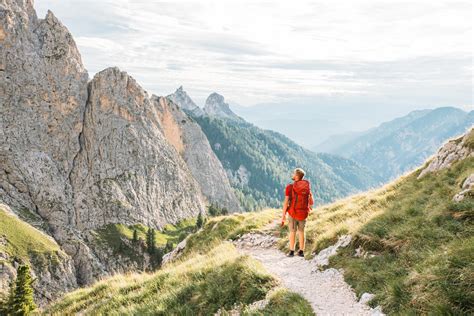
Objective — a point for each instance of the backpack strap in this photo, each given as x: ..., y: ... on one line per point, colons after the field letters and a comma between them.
x: 290, y: 198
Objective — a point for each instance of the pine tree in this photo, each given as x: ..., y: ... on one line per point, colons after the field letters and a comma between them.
x: 212, y: 210
x: 150, y: 241
x: 200, y: 220
x: 224, y: 211
x: 135, y: 236
x: 21, y: 301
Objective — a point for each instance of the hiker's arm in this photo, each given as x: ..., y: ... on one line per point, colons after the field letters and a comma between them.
x: 285, y: 207
x: 310, y: 201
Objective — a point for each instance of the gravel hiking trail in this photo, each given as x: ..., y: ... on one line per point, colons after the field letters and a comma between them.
x: 326, y: 290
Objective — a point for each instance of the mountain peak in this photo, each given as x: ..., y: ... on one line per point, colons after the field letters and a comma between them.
x: 216, y: 106
x: 181, y: 98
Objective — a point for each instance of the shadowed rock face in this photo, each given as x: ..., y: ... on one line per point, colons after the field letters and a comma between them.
x: 194, y: 147
x: 82, y: 154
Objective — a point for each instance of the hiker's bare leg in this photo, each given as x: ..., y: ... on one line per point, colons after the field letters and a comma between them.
x: 301, y: 239
x: 292, y: 240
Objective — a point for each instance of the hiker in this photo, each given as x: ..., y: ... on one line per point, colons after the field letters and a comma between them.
x: 298, y: 203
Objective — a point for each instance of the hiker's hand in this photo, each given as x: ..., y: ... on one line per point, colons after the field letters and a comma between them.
x: 282, y: 222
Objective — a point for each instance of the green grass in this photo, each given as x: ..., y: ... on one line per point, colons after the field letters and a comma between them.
x: 419, y: 243
x: 470, y: 139
x: 196, y: 286
x: 114, y: 235
x: 282, y: 303
x: 229, y: 227
x: 211, y: 274
x: 26, y: 242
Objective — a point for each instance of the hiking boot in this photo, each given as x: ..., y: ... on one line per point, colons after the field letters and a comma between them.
x: 301, y: 253
x: 291, y: 253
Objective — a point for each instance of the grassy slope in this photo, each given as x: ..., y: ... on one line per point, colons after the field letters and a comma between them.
x: 211, y: 274
x: 419, y: 248
x: 114, y: 235
x: 419, y: 244
x: 24, y: 241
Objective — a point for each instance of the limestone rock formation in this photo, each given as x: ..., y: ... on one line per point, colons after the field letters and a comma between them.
x: 216, y: 106
x: 43, y: 92
x: 190, y: 141
x: 79, y: 155
x: 454, y: 150
x: 181, y: 98
x: 126, y: 171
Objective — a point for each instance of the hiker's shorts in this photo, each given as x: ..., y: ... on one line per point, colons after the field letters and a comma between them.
x: 294, y: 224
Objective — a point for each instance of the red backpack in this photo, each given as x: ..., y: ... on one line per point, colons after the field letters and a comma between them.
x: 300, y: 200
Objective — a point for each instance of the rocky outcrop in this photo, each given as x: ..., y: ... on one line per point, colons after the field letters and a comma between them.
x: 181, y: 98
x: 126, y: 171
x: 466, y: 189
x: 252, y: 240
x: 216, y: 106
x: 175, y: 253
x: 321, y: 259
x: 190, y: 141
x: 454, y: 150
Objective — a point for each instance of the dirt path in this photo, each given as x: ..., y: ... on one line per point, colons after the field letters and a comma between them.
x: 326, y: 291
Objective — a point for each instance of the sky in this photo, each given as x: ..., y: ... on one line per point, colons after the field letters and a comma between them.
x: 415, y: 54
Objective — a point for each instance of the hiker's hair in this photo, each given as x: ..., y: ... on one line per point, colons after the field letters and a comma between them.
x: 300, y: 173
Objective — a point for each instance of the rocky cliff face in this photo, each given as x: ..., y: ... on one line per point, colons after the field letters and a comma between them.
x: 454, y: 150
x: 79, y: 155
x: 193, y: 145
x: 216, y: 106
x: 126, y: 171
x: 43, y: 92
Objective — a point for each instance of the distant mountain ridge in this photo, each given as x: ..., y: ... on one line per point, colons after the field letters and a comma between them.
x: 259, y: 162
x: 215, y: 105
x: 396, y: 146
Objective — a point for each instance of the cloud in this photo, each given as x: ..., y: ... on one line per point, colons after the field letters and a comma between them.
x: 98, y: 43
x: 262, y: 51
